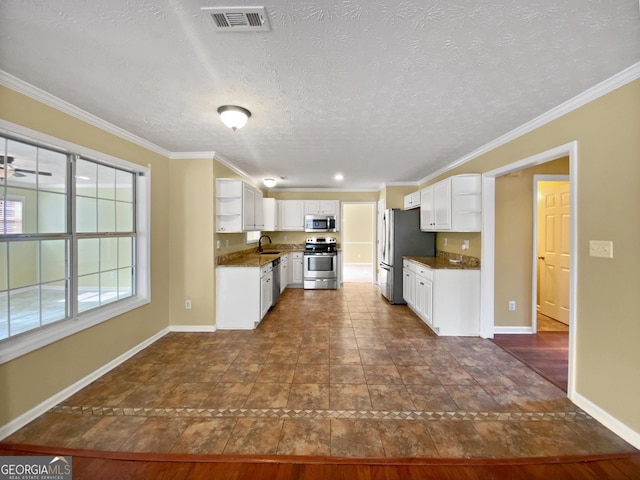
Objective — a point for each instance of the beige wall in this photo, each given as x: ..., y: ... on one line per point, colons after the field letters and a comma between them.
x: 192, y: 242
x: 29, y: 380
x: 394, y: 196
x: 454, y: 241
x: 359, y: 218
x: 514, y: 241
x: 608, y: 191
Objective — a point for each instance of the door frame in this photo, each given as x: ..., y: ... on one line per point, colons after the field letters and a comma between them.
x: 374, y: 237
x: 534, y: 278
x: 487, y: 272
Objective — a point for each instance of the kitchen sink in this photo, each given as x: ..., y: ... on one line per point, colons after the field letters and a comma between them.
x: 269, y: 253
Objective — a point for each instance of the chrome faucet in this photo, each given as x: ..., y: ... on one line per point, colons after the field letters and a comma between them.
x: 260, y: 242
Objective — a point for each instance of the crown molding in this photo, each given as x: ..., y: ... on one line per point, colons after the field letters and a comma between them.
x: 20, y: 86
x: 607, y: 86
x: 324, y: 189
x: 231, y: 166
x: 401, y: 184
x: 192, y: 155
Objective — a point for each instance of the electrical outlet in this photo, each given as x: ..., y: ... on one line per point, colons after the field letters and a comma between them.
x: 465, y: 244
x: 512, y: 305
x: 446, y: 240
x: 285, y: 238
x: 218, y: 244
x: 226, y: 243
x: 187, y: 304
x: 601, y: 248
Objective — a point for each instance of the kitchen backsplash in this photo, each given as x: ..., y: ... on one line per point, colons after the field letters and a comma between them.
x: 464, y: 259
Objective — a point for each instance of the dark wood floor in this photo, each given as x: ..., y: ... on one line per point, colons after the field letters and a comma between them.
x: 545, y: 352
x: 95, y: 465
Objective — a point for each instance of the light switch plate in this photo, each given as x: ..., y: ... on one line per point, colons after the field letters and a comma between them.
x: 601, y: 248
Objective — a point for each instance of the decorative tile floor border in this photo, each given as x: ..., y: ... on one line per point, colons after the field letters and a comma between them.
x: 319, y: 414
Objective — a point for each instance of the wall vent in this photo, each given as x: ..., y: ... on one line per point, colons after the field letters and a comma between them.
x: 238, y: 19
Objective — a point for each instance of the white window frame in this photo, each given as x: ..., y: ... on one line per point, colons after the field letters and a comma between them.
x: 253, y: 236
x: 22, y: 344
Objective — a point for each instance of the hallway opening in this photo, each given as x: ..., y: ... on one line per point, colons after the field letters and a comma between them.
x: 358, y: 242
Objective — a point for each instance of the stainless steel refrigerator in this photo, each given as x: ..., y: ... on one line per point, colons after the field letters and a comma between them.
x: 401, y: 236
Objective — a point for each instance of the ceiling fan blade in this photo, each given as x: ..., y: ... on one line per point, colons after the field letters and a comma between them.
x: 22, y: 170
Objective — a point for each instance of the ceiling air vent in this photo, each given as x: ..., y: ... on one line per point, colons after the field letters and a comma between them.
x: 239, y: 19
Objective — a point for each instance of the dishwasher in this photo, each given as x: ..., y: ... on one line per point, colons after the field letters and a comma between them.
x: 276, y: 281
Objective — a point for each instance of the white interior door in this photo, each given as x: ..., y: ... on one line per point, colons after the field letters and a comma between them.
x: 553, y: 249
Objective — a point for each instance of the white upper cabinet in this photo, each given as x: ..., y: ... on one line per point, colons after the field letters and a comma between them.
x: 291, y: 214
x: 248, y: 208
x: 270, y: 207
x: 412, y: 200
x: 258, y: 210
x: 238, y: 206
x: 325, y: 207
x: 228, y: 205
x: 427, y: 209
x: 442, y: 205
x: 452, y: 205
x: 466, y: 203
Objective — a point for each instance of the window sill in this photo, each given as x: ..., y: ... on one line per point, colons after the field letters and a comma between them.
x: 18, y: 346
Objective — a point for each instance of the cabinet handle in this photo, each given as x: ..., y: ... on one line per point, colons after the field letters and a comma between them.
x: 540, y: 258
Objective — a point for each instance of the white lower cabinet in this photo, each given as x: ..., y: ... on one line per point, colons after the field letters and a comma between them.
x: 243, y: 296
x: 424, y: 294
x: 284, y: 272
x: 266, y: 289
x: 409, y: 282
x: 296, y: 265
x: 448, y: 300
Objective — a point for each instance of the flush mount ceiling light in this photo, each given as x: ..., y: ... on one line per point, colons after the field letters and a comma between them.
x: 233, y: 116
x: 339, y: 177
x: 269, y: 182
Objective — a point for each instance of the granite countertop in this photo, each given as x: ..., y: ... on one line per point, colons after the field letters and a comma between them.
x: 439, y: 263
x: 253, y: 259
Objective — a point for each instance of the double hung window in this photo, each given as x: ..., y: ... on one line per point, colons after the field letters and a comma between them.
x: 68, y: 240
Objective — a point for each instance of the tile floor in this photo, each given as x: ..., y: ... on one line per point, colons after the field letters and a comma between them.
x: 335, y: 373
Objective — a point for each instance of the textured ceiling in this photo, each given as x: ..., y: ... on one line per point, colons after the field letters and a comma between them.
x: 381, y: 91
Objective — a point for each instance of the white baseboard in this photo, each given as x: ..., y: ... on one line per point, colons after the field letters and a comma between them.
x: 192, y: 328
x: 506, y: 330
x: 30, y: 415
x: 605, y: 418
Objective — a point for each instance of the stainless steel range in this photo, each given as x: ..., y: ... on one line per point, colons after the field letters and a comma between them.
x: 320, y: 263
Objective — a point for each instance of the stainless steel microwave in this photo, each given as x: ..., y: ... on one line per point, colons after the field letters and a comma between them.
x: 319, y: 223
